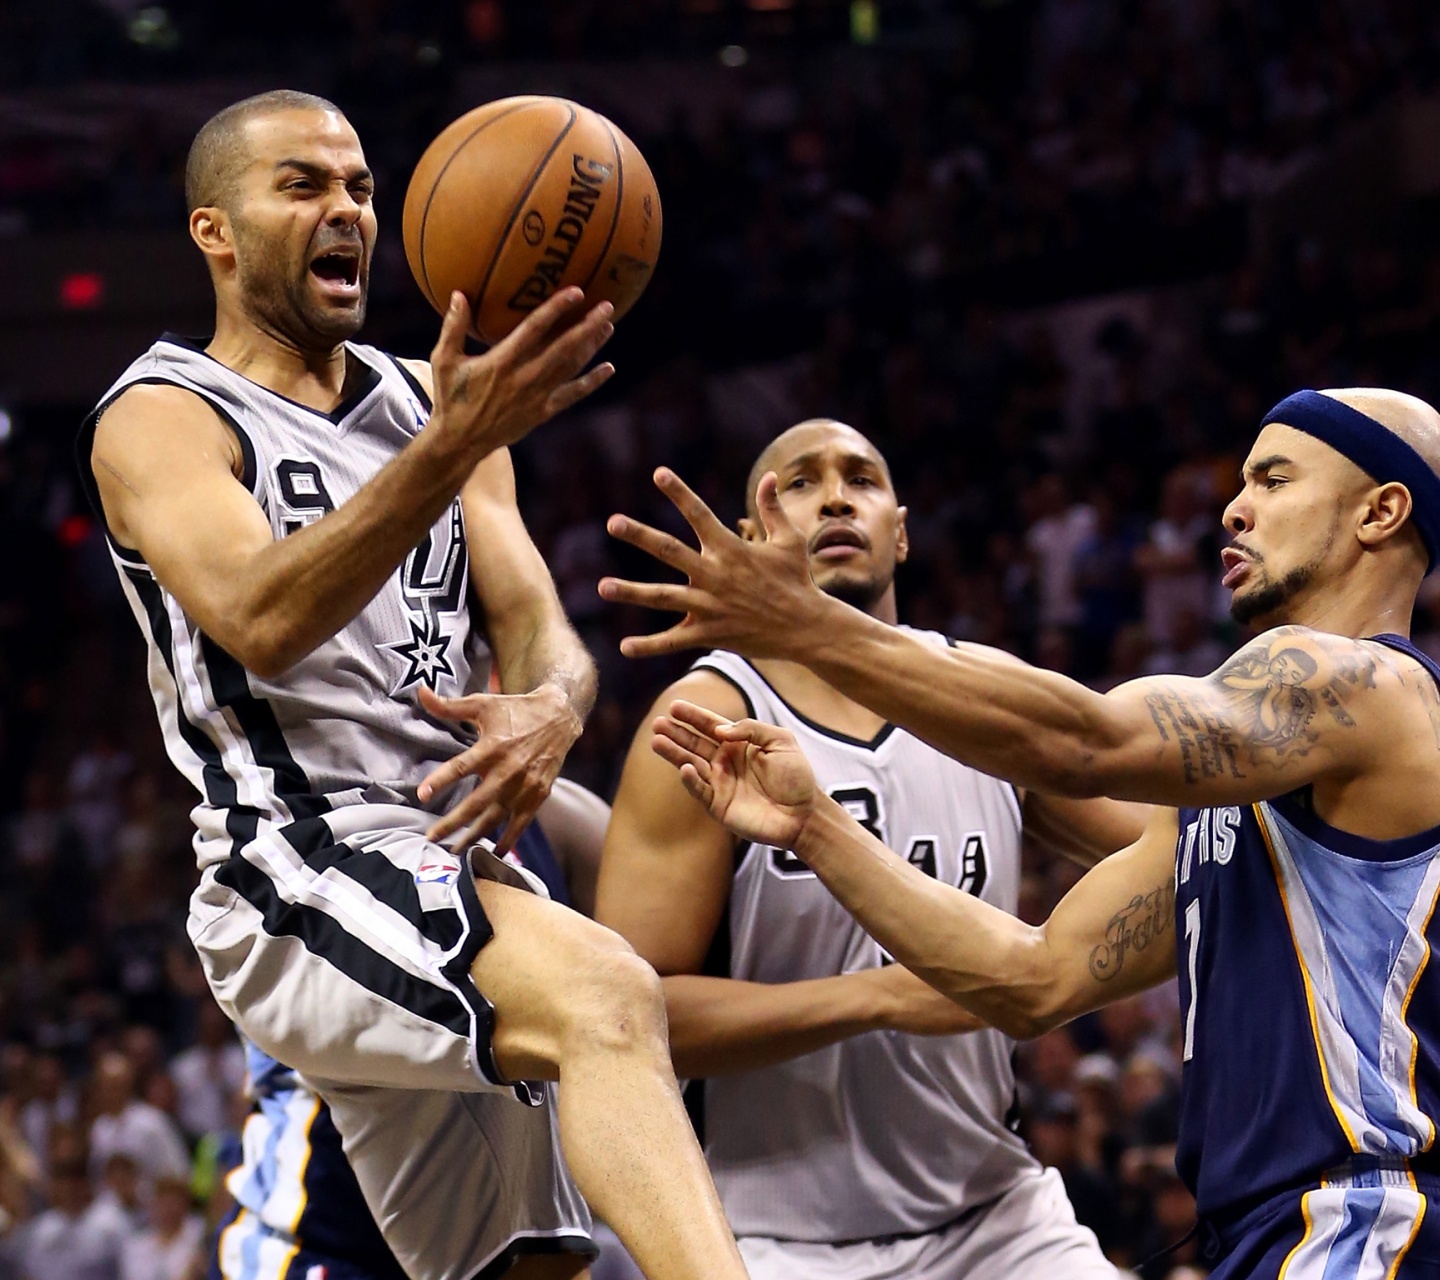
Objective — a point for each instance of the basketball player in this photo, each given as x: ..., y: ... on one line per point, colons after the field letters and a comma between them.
x: 1298, y: 865
x: 297, y: 1204
x: 301, y: 524
x: 850, y: 1132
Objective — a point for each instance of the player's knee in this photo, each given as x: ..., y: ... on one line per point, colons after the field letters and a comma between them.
x: 619, y: 1004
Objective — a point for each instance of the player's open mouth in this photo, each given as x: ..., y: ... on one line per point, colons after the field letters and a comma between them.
x: 837, y: 542
x: 338, y: 272
x: 1237, y: 565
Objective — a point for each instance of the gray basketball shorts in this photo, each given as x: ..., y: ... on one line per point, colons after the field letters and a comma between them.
x: 341, y: 945
x: 1030, y: 1233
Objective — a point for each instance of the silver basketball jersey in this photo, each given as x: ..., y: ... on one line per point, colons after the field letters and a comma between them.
x: 344, y: 718
x: 885, y: 1133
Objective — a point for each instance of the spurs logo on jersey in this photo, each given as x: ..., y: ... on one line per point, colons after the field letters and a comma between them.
x: 885, y: 1133
x: 344, y: 718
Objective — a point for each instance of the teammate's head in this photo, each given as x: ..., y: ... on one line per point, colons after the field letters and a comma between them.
x: 280, y: 204
x: 1310, y: 517
x: 835, y: 486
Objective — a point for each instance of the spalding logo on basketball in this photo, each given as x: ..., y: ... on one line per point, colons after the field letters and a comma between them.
x: 525, y: 196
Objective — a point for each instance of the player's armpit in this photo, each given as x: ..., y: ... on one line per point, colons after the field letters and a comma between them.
x: 1111, y: 936
x: 1292, y: 706
x: 667, y: 866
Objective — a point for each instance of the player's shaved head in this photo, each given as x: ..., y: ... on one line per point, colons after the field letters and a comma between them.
x: 219, y: 154
x: 1408, y: 417
x: 795, y: 440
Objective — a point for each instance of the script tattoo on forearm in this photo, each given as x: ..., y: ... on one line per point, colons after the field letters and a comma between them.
x: 1138, y: 925
x: 1261, y: 707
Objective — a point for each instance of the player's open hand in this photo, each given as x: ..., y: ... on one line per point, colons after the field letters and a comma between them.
x: 523, y: 742
x: 754, y: 598
x: 752, y: 777
x: 492, y: 400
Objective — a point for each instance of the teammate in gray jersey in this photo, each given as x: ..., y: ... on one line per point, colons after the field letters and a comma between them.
x: 300, y: 524
x: 851, y: 1131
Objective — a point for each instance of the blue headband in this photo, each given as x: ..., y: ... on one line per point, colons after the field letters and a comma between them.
x: 1372, y: 447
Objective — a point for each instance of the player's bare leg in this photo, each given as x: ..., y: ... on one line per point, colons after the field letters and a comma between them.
x: 574, y: 1003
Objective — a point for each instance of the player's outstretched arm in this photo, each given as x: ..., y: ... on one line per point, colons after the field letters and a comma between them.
x: 665, y: 881
x: 547, y: 677
x: 168, y: 470
x: 1290, y: 707
x: 1110, y: 937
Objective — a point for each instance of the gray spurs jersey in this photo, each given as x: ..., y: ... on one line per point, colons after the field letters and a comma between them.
x: 885, y: 1133
x: 263, y: 753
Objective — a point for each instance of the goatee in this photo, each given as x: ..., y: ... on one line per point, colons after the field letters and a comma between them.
x: 1273, y: 595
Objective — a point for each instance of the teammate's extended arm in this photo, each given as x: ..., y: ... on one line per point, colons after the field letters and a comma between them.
x: 1290, y: 707
x: 1110, y: 937
x: 168, y: 473
x: 547, y: 677
x: 665, y: 882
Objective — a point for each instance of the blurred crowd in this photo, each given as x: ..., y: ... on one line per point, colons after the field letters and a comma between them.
x: 894, y: 247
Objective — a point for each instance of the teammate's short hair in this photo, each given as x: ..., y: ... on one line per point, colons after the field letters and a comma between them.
x: 764, y: 462
x: 217, y: 156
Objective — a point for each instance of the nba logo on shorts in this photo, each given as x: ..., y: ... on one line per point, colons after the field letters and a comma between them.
x: 436, y: 873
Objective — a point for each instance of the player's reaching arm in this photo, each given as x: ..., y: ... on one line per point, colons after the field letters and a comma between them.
x: 665, y: 880
x: 169, y: 470
x: 1292, y: 706
x: 1111, y: 936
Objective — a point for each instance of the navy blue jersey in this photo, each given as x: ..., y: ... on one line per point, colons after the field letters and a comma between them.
x: 1311, y: 1016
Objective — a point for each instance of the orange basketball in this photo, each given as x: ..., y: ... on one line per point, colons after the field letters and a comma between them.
x: 524, y: 196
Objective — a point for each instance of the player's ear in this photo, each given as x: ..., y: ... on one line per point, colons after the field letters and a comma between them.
x: 1387, y: 507
x: 750, y: 529
x: 210, y: 229
x: 902, y: 536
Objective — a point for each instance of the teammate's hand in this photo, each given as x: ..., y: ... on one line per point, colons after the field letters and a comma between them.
x: 754, y: 598
x: 909, y: 1004
x: 492, y: 400
x: 523, y: 741
x: 752, y: 777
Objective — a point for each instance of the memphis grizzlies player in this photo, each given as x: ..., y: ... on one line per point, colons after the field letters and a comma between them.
x: 297, y: 1204
x: 322, y: 548
x: 1292, y: 883
x: 851, y: 1132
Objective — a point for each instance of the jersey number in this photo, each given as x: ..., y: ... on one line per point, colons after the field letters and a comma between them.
x: 302, y: 490
x: 1192, y: 952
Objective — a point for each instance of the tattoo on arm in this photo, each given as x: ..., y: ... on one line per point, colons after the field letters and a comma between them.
x: 1141, y: 923
x: 1269, y: 697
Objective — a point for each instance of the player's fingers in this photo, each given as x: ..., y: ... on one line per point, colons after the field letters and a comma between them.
x: 492, y: 816
x: 663, y: 546
x: 574, y: 391
x: 475, y: 807
x: 467, y: 708
x: 673, y: 753
x: 696, y: 785
x: 570, y: 350
x: 752, y: 731
x: 700, y: 719
x: 684, y: 737
x: 772, y: 515
x: 473, y: 759
x: 531, y: 334
x: 450, y: 346
x: 675, y: 597
x: 514, y: 829
x: 691, y: 506
x: 682, y: 636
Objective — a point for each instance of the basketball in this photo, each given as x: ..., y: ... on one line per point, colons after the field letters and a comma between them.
x: 524, y: 196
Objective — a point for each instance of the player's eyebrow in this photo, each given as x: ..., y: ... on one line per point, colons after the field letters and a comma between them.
x: 1262, y: 465
x: 361, y: 173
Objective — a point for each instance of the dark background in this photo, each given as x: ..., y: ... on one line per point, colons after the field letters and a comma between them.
x: 1055, y: 256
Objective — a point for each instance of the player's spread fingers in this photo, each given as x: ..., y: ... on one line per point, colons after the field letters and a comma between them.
x: 778, y: 527
x: 514, y: 829
x: 683, y: 736
x: 532, y: 332
x: 576, y: 346
x: 682, y: 636
x: 450, y: 345
x: 690, y: 505
x: 701, y: 719
x: 663, y: 546
x: 673, y: 753
x: 696, y: 785
x: 674, y: 597
x: 577, y: 389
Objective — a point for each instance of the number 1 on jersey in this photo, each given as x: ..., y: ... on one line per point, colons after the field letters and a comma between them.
x: 1192, y: 952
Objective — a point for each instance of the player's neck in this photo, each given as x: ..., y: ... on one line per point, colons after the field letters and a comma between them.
x: 316, y: 379
x: 816, y: 700
x: 1361, y: 606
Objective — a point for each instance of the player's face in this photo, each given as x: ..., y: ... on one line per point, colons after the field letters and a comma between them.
x: 1285, y: 523
x: 836, y: 491
x: 304, y: 228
